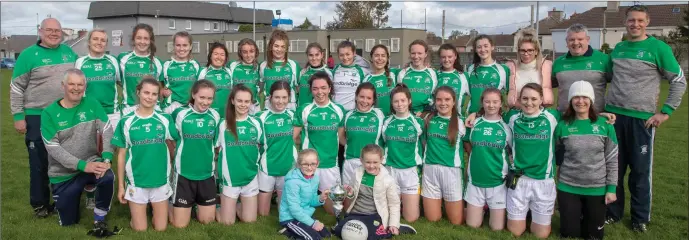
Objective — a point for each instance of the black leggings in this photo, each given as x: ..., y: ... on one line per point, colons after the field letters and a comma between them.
x: 581, y: 216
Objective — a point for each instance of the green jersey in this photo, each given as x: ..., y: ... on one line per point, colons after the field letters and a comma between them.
x: 279, y: 152
x: 458, y: 82
x: 489, y: 161
x: 305, y: 95
x: 320, y: 130
x: 222, y: 78
x: 238, y: 162
x: 147, y: 162
x: 421, y: 84
x: 486, y: 76
x: 534, y: 144
x: 383, y: 87
x: 195, y: 152
x: 133, y: 67
x: 361, y: 129
x: 439, y: 150
x: 102, y: 74
x: 402, y: 138
x: 280, y: 71
x: 179, y: 77
x: 246, y: 74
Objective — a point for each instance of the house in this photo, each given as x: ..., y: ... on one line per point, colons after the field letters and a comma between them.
x: 396, y: 39
x: 119, y: 18
x: 606, y: 24
x: 554, y: 18
x: 502, y: 42
x: 79, y: 43
x: 11, y: 46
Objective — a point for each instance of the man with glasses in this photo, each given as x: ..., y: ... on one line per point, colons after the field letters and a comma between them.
x: 36, y: 82
x: 581, y: 63
x: 639, y: 64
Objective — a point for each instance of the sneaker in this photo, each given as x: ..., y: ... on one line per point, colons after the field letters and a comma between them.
x: 407, y: 229
x: 639, y: 227
x: 43, y: 211
x: 100, y: 225
x: 610, y: 220
x: 90, y: 203
x: 282, y: 230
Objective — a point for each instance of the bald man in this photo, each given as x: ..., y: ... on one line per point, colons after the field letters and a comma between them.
x: 36, y: 82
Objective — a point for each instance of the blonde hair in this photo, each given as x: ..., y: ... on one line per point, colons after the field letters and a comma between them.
x: 529, y: 35
x: 306, y: 152
x: 371, y: 149
x: 96, y: 30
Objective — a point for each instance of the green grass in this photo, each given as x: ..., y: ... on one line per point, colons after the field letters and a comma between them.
x: 669, y: 209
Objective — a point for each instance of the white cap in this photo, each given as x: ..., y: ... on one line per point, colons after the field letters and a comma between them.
x: 581, y: 88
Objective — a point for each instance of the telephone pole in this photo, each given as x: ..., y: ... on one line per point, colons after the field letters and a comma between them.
x: 443, y: 29
x: 401, y: 13
x: 537, y: 19
x: 531, y: 25
x: 425, y: 19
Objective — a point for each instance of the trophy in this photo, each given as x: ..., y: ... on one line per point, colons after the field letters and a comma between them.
x: 337, y: 195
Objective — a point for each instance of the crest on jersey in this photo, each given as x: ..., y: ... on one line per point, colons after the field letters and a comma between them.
x: 542, y: 123
x: 82, y: 116
x: 640, y: 54
x: 242, y: 130
x: 159, y: 126
x: 455, y: 81
x: 65, y: 58
x: 333, y: 116
x: 595, y: 128
x: 252, y: 130
x: 589, y: 65
x: 494, y: 75
x: 211, y: 123
x: 427, y: 80
x: 410, y: 128
x: 373, y: 119
x: 499, y: 133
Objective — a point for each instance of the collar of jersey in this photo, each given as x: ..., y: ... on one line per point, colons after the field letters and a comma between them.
x: 95, y: 58
x: 440, y: 116
x: 412, y: 69
x: 396, y: 117
x: 194, y: 110
x: 280, y: 112
x: 142, y: 117
x: 319, y: 106
x: 241, y: 120
x: 143, y: 56
x: 540, y: 110
x: 347, y: 66
x: 453, y: 71
x: 488, y: 65
x: 317, y: 68
x: 177, y: 61
x: 357, y: 110
x: 490, y: 121
x: 213, y: 68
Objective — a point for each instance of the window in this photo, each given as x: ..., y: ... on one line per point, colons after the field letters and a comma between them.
x: 170, y: 47
x: 171, y: 23
x: 298, y: 45
x: 216, y: 26
x: 359, y: 43
x: 675, y: 10
x: 369, y: 44
x: 334, y: 43
x: 207, y: 25
x: 228, y: 45
x: 394, y: 44
x: 208, y: 47
x: 385, y: 42
x: 196, y: 47
x: 236, y: 46
x: 188, y: 24
x: 259, y: 43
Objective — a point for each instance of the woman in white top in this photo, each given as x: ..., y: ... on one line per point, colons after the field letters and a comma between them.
x: 530, y: 67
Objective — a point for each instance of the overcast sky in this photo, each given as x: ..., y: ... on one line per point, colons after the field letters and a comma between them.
x: 486, y: 17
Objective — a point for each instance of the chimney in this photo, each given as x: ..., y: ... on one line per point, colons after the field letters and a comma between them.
x: 556, y: 14
x: 613, y: 6
x: 82, y: 33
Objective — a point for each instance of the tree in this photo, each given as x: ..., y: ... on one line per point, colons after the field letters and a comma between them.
x: 360, y: 14
x: 246, y: 28
x: 456, y: 34
x: 605, y: 48
x: 684, y: 30
x: 306, y: 25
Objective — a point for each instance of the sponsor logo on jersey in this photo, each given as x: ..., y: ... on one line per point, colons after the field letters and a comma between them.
x: 62, y: 124
x: 211, y: 123
x: 499, y: 133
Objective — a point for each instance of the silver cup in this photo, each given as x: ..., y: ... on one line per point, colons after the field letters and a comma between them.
x: 337, y: 195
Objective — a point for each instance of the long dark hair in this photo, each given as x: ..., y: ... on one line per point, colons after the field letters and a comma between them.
x: 457, y: 65
x: 147, y: 79
x: 201, y: 83
x: 482, y: 111
x: 230, y: 114
x: 251, y: 42
x: 277, y: 35
x: 346, y: 44
x: 477, y: 59
x: 570, y: 115
x: 387, y: 64
x: 151, y: 36
x: 321, y: 75
x: 400, y: 88
x: 280, y: 85
x: 453, y: 129
x: 212, y: 48
x: 320, y: 49
x: 369, y: 86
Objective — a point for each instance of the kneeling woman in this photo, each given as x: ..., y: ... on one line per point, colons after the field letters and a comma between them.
x: 300, y: 199
x: 374, y: 198
x: 239, y: 139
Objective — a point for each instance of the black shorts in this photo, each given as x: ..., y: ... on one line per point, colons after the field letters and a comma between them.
x: 189, y: 192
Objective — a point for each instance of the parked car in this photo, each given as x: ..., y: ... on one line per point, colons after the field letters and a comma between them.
x: 7, y: 63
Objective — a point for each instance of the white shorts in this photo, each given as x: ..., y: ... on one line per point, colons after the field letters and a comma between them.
x: 442, y: 182
x: 537, y: 195
x: 328, y: 177
x: 349, y: 170
x: 495, y: 197
x: 148, y: 195
x: 249, y: 190
x: 114, y: 119
x: 267, y: 183
x: 407, y: 179
x: 172, y: 107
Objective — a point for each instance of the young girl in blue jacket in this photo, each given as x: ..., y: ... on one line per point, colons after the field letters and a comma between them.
x: 300, y: 199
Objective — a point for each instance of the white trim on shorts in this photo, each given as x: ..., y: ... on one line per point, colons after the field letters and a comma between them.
x: 267, y: 183
x: 328, y: 177
x: 349, y: 170
x: 148, y: 195
x: 249, y: 190
x: 535, y: 195
x: 407, y: 179
x: 495, y: 197
x: 442, y: 182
